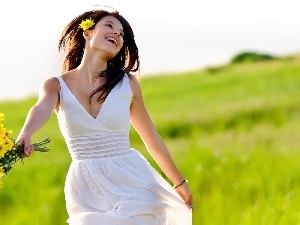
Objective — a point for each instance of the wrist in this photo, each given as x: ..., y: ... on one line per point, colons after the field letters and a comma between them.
x: 179, y: 184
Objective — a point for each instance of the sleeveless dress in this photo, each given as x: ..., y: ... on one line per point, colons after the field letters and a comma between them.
x: 108, y: 182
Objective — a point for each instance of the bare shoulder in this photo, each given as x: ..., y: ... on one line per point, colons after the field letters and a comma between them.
x: 135, y: 87
x: 49, y: 93
x: 51, y: 83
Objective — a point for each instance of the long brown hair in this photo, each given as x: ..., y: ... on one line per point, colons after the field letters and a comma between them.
x: 72, y: 43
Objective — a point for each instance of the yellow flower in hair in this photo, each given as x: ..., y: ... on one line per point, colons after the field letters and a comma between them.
x: 86, y: 24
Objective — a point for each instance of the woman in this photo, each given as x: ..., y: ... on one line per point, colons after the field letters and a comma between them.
x: 95, y: 99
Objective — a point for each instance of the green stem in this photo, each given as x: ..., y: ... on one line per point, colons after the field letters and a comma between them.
x: 38, y: 146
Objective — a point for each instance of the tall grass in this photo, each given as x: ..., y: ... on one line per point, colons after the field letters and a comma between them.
x: 233, y: 132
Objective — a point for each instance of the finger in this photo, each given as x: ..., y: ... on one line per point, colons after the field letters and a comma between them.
x: 30, y: 149
x: 27, y: 150
x: 189, y: 202
x: 190, y: 206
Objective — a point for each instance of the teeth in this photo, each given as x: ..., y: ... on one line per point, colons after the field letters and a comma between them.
x: 111, y: 39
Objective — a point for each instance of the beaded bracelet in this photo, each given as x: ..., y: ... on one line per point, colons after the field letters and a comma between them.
x: 182, y: 182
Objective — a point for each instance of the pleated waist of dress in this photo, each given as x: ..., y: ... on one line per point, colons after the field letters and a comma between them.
x: 99, y: 146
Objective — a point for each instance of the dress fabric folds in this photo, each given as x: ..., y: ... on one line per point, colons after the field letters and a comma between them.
x: 108, y: 182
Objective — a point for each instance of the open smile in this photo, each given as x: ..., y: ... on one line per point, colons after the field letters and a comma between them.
x: 112, y: 40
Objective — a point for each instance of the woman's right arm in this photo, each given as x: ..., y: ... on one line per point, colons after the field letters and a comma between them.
x: 40, y: 113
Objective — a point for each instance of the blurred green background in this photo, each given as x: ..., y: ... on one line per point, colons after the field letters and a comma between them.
x: 233, y: 131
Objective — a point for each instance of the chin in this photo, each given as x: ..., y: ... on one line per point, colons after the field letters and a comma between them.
x: 111, y: 54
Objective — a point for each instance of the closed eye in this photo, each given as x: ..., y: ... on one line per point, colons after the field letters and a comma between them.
x: 108, y: 25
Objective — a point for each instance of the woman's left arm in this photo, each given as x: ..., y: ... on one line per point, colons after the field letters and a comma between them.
x: 143, y: 124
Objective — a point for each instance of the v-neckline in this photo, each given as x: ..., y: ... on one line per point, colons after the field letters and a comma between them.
x: 83, y: 108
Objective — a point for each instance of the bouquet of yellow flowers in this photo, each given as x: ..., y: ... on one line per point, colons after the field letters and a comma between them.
x: 12, y: 151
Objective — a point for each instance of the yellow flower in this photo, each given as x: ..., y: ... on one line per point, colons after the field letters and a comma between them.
x: 4, y: 132
x: 7, y: 132
x: 8, y: 144
x: 1, y: 117
x: 3, y: 149
x: 86, y: 24
x: 2, y: 172
x: 12, y: 151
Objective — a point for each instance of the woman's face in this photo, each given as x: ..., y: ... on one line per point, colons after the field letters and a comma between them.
x: 107, y: 36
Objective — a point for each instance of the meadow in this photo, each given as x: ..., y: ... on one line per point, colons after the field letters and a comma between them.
x: 233, y: 131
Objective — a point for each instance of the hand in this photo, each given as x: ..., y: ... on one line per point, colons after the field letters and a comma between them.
x: 25, y: 140
x: 184, y: 191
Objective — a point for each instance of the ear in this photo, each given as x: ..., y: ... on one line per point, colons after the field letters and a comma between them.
x: 87, y: 34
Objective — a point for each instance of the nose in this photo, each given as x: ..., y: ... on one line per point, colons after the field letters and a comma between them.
x: 117, y: 33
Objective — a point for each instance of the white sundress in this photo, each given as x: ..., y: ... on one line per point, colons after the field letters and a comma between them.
x: 108, y: 182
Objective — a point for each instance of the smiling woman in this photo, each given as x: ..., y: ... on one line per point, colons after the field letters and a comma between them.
x: 96, y: 97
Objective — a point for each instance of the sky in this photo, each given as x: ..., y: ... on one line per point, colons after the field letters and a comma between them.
x: 172, y: 36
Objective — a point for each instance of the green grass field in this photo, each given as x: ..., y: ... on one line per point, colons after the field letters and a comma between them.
x: 233, y: 132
